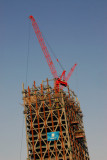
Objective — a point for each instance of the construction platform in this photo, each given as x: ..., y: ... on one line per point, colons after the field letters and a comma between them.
x: 54, y: 124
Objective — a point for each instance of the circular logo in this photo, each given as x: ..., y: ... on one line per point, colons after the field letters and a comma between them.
x: 52, y: 134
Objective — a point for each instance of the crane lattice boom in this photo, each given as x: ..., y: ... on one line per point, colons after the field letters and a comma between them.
x: 70, y: 73
x: 44, y: 48
x: 48, y: 57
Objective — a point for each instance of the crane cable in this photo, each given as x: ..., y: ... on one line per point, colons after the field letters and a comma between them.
x: 77, y: 81
x: 53, y: 53
x: 61, y: 66
x: 26, y: 85
x: 28, y: 50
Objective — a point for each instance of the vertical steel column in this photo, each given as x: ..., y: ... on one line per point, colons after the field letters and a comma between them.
x: 52, y: 121
x: 45, y: 119
x: 56, y: 91
x: 38, y: 121
x: 31, y: 124
x: 25, y: 119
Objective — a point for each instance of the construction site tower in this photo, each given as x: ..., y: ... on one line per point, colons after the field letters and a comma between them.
x: 54, y: 124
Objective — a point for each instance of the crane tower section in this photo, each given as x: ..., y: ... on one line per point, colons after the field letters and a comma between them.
x: 54, y: 124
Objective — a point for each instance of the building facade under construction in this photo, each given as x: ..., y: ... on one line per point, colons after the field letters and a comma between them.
x: 54, y: 124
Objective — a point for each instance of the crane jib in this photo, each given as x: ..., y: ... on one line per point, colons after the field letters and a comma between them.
x: 48, y: 57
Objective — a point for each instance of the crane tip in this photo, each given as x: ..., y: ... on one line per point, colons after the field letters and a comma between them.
x: 30, y: 16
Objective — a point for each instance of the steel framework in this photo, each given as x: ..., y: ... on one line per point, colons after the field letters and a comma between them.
x: 47, y: 110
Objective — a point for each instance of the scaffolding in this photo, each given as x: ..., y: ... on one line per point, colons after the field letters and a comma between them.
x: 48, y: 110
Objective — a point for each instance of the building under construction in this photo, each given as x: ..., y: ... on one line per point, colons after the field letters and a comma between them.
x: 54, y: 124
x: 53, y: 118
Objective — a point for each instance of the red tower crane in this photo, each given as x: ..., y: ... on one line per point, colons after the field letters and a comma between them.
x: 59, y: 80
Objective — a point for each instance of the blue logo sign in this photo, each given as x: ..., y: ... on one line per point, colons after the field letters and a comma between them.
x: 52, y: 136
